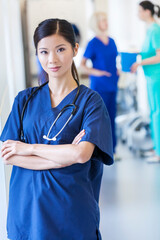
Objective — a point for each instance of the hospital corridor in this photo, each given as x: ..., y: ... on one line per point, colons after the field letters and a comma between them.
x: 130, y: 198
x: 79, y: 120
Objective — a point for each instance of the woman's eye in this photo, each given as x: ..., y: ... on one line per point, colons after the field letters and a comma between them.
x: 43, y: 52
x: 60, y: 49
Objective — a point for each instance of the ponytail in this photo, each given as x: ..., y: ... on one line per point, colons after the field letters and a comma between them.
x: 74, y: 72
x: 154, y: 9
x: 157, y: 11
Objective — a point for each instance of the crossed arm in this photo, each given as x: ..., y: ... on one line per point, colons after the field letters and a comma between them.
x: 42, y: 156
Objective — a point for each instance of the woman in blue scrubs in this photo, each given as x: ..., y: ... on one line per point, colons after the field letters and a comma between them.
x: 102, y: 52
x: 55, y: 181
x: 151, y: 65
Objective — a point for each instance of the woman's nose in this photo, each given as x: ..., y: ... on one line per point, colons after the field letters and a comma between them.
x: 53, y: 58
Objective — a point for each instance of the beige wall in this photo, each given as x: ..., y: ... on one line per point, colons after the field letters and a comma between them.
x: 101, y: 5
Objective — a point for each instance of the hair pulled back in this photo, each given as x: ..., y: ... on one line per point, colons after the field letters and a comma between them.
x: 56, y: 26
x: 154, y: 9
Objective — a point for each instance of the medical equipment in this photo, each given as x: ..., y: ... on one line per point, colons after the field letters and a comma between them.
x: 72, y: 105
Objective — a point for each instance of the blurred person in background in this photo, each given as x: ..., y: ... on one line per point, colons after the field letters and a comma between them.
x: 151, y: 65
x: 102, y: 52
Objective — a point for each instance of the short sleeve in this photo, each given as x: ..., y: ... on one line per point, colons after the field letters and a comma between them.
x: 12, y: 127
x: 156, y: 39
x: 89, y: 52
x: 96, y: 123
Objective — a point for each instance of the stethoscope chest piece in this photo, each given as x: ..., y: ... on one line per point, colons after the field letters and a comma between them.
x: 49, y: 139
x: 74, y: 107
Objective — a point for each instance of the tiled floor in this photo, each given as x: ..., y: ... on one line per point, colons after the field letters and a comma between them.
x: 130, y: 199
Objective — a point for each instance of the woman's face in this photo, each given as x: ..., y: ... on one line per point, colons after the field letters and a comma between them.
x: 56, y: 55
x: 143, y: 14
x: 102, y: 23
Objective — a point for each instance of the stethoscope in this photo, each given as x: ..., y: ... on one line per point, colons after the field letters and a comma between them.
x: 72, y: 105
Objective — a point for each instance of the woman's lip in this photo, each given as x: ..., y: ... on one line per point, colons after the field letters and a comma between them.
x: 54, y: 69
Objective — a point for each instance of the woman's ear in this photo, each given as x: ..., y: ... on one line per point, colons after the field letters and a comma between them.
x: 76, y: 49
x: 148, y: 12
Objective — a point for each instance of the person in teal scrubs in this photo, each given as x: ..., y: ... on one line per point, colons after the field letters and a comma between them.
x: 151, y: 65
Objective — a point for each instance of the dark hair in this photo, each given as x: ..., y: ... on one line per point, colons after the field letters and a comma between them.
x: 56, y: 26
x: 77, y: 33
x: 147, y: 5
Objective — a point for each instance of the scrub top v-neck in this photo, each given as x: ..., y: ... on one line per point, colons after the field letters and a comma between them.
x: 61, y: 102
x: 58, y: 203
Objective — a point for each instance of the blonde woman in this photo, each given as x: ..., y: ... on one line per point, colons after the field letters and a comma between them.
x: 102, y: 51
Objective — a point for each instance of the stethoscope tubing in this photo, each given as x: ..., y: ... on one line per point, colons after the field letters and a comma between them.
x: 22, y: 137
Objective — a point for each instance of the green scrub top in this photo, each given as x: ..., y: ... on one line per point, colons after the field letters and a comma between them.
x: 150, y: 46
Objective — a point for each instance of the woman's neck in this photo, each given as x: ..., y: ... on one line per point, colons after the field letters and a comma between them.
x: 103, y: 37
x: 150, y: 20
x: 61, y: 86
x: 102, y: 34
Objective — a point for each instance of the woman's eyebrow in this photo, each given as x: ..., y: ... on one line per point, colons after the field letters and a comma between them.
x: 42, y: 48
x: 60, y: 45
x: 56, y: 46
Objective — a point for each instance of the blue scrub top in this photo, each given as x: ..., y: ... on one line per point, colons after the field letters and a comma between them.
x: 58, y: 203
x: 103, y: 57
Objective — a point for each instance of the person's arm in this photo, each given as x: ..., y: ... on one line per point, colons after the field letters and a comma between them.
x: 31, y: 162
x: 47, y: 156
x: 92, y: 71
x: 148, y: 61
x: 41, y: 156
